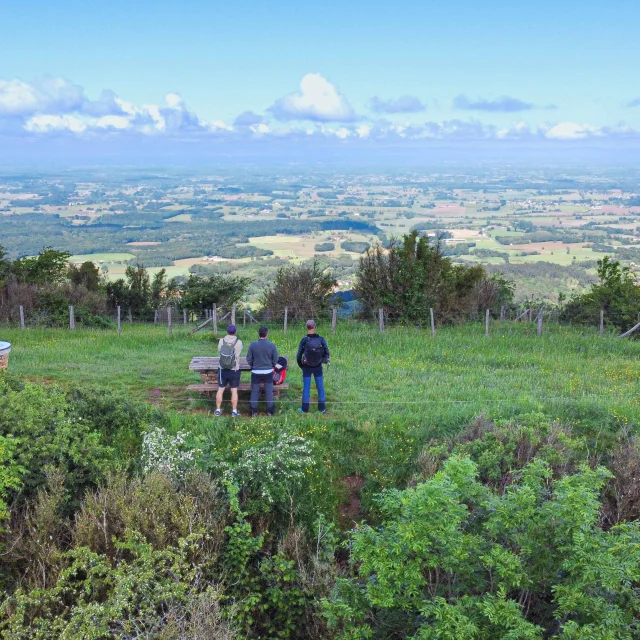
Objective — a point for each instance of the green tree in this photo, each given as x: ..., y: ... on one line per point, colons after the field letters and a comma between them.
x: 47, y: 268
x: 306, y: 290
x: 87, y: 275
x: 200, y: 293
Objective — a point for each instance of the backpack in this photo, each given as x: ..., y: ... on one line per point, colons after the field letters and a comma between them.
x: 228, y: 355
x: 313, y: 353
x: 280, y: 371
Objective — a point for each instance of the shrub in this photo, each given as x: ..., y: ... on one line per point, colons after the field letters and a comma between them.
x: 411, y: 277
x: 164, y: 453
x: 306, y: 290
x: 355, y: 247
x: 453, y: 559
x: 324, y: 246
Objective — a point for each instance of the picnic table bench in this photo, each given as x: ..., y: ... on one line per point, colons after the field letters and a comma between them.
x: 207, y: 367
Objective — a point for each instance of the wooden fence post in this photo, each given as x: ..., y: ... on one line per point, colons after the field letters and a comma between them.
x: 486, y: 323
x: 334, y: 319
x: 184, y: 316
x: 540, y: 315
x: 72, y: 318
x: 433, y: 324
x: 169, y: 327
x: 601, y: 322
x: 502, y: 312
x: 233, y: 313
x: 119, y: 322
x: 130, y: 315
x: 381, y: 318
x: 286, y: 317
x: 244, y: 319
x: 214, y: 315
x: 155, y: 317
x: 22, y: 317
x: 530, y: 314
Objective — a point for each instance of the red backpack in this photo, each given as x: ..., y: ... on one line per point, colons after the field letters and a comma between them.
x: 280, y: 371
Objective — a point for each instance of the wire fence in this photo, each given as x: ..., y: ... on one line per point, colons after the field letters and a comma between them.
x: 217, y: 318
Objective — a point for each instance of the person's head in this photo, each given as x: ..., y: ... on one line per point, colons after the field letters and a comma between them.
x: 311, y: 326
x: 263, y: 332
x: 231, y: 330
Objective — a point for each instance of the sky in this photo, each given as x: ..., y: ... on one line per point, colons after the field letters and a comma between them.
x: 296, y: 78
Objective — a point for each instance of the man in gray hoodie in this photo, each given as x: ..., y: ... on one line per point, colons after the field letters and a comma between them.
x: 262, y: 357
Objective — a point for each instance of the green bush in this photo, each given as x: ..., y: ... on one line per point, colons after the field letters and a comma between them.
x: 453, y: 559
x: 324, y: 246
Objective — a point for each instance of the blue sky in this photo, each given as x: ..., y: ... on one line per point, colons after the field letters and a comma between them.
x: 331, y: 73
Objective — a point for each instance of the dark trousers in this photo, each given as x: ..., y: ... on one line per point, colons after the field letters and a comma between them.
x: 258, y: 379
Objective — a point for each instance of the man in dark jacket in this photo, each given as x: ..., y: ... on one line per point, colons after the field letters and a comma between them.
x: 262, y: 357
x: 313, y: 352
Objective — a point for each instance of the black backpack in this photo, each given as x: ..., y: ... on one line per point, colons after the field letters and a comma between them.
x: 313, y: 353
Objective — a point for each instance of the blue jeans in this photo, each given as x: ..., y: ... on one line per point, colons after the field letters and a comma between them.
x: 306, y: 389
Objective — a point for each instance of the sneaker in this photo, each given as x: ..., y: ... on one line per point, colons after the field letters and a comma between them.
x: 218, y: 412
x: 323, y: 411
x: 301, y: 410
x: 254, y: 414
x: 234, y: 414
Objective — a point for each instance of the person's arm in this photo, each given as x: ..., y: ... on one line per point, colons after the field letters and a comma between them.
x: 300, y: 351
x: 220, y: 345
x: 274, y: 356
x: 238, y: 350
x: 250, y: 356
x: 327, y: 355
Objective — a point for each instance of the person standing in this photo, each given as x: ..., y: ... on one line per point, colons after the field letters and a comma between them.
x: 313, y: 352
x: 262, y: 357
x: 229, y: 350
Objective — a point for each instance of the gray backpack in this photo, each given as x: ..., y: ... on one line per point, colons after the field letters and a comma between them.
x: 228, y: 355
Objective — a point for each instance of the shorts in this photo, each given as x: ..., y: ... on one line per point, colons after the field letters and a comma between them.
x: 228, y: 377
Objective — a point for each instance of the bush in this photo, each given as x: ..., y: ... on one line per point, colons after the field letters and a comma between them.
x: 324, y: 246
x: 616, y: 294
x: 453, y: 559
x: 412, y: 277
x: 306, y: 290
x: 355, y: 247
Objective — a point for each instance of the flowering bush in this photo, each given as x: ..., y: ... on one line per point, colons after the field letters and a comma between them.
x: 166, y: 453
x: 271, y: 475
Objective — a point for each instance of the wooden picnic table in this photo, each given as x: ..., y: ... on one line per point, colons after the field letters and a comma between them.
x: 207, y: 367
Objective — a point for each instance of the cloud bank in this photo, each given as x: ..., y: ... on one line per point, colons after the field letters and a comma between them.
x: 318, y: 114
x: 403, y: 104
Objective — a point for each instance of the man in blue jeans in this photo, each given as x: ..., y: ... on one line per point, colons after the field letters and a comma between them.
x: 262, y: 357
x: 313, y: 352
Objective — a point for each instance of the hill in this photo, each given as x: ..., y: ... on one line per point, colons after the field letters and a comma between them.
x: 242, y: 518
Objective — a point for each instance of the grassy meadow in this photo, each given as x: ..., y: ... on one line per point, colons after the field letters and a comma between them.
x: 388, y: 393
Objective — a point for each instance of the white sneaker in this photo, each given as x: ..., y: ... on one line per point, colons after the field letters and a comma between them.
x: 234, y: 414
x: 218, y: 412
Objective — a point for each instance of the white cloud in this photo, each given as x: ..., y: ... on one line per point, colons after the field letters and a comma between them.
x: 49, y: 123
x: 318, y: 100
x: 47, y: 95
x: 571, y: 131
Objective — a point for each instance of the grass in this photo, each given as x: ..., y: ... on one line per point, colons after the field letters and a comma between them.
x: 374, y: 376
x: 388, y: 393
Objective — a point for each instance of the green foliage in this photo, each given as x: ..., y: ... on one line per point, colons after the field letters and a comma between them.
x: 616, y: 294
x: 10, y: 473
x: 305, y: 289
x: 87, y: 275
x: 453, y: 559
x: 324, y: 246
x: 414, y: 276
x: 355, y: 247
x: 200, y: 293
x: 47, y: 268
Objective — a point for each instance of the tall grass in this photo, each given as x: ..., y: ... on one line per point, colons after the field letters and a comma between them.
x: 388, y: 393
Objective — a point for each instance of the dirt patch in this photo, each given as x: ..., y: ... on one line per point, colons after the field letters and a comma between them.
x: 349, y: 510
x: 155, y: 396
